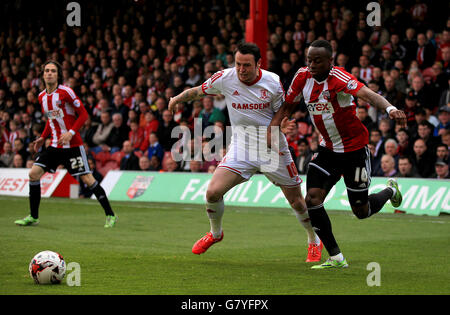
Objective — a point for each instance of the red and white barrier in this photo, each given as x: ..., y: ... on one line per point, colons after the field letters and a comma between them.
x: 14, y: 182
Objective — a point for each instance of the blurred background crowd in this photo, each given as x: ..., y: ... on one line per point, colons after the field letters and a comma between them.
x: 128, y: 58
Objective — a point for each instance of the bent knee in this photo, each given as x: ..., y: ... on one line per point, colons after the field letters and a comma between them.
x: 213, y: 195
x: 361, y: 212
x: 360, y: 215
x: 34, y: 176
x: 88, y: 179
x: 313, y: 201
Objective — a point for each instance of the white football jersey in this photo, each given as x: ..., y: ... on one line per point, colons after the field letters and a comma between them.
x: 250, y: 106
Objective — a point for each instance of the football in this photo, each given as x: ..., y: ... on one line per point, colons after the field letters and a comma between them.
x: 47, y: 267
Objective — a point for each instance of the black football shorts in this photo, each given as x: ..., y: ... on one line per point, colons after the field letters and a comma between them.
x: 327, y: 167
x: 73, y: 159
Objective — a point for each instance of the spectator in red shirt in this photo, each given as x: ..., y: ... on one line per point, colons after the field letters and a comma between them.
x: 410, y: 109
x: 136, y: 135
x: 150, y: 126
x: 404, y: 146
x: 128, y: 96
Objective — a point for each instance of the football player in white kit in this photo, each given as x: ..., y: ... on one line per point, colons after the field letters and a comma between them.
x: 252, y: 96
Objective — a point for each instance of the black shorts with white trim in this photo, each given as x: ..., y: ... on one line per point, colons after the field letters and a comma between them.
x: 327, y: 167
x: 73, y: 159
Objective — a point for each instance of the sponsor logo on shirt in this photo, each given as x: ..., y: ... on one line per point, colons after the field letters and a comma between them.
x: 250, y: 106
x: 55, y: 113
x: 320, y: 108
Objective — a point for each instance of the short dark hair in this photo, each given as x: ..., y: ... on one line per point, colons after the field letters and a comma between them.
x: 420, y: 111
x: 376, y: 130
x: 405, y: 157
x: 403, y: 130
x: 426, y: 124
x: 304, y: 141
x: 248, y: 48
x: 363, y: 107
x: 58, y: 68
x: 442, y: 145
x: 321, y: 43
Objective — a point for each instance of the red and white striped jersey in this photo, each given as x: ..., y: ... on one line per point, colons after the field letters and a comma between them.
x: 366, y: 74
x: 419, y: 11
x: 330, y: 104
x: 299, y: 35
x: 64, y: 112
x: 13, y: 135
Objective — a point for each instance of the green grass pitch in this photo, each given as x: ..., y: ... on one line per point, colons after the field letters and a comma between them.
x: 263, y: 251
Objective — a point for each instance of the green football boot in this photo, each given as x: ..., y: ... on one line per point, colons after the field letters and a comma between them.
x: 27, y: 221
x: 396, y: 199
x: 331, y: 264
x: 110, y: 221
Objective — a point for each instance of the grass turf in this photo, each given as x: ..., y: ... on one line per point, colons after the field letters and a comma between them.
x: 263, y: 251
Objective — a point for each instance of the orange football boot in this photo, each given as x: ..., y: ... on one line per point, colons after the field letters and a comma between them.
x: 314, y: 252
x: 204, y: 243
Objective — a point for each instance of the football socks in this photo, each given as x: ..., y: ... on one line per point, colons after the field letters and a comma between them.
x: 215, y: 212
x: 35, y: 198
x: 377, y: 201
x: 322, y: 226
x: 305, y: 220
x: 99, y: 192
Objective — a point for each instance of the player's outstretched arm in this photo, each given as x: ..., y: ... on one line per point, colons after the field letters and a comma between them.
x: 186, y: 96
x: 281, y: 120
x: 380, y: 102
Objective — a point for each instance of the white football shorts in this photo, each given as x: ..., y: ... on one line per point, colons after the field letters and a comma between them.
x: 279, y: 168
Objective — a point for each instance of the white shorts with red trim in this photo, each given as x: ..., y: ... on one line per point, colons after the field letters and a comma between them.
x: 279, y: 168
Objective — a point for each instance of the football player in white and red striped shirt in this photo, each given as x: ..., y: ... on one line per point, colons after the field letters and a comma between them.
x: 328, y: 92
x: 65, y: 115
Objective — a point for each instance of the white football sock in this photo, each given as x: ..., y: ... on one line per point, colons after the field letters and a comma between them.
x: 338, y: 257
x: 215, y: 213
x: 304, y: 220
x: 394, y: 191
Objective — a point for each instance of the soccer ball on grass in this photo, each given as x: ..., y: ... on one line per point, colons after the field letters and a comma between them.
x: 47, y: 267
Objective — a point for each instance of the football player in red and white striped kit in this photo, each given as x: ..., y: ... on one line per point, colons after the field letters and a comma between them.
x: 65, y: 115
x: 328, y: 93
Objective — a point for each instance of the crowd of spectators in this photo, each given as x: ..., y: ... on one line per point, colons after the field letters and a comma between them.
x: 125, y: 63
